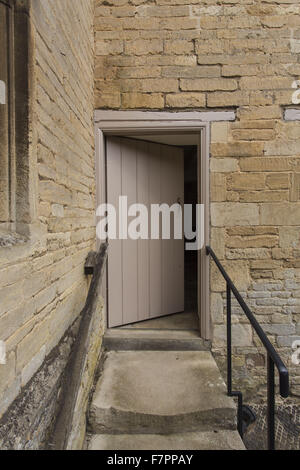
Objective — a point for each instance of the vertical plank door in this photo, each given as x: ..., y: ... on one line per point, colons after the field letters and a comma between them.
x: 145, y: 276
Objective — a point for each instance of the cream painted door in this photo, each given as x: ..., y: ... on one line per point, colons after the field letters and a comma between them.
x: 145, y: 277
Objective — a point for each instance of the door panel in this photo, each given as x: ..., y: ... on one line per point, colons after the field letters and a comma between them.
x: 115, y: 262
x: 143, y: 246
x: 130, y: 247
x: 155, y: 308
x: 145, y: 277
x: 172, y: 250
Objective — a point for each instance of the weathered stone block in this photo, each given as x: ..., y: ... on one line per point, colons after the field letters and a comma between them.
x: 231, y: 214
x: 199, y: 84
x: 217, y: 240
x: 52, y: 192
x: 223, y: 165
x: 265, y: 164
x: 239, y: 70
x: 33, y: 366
x: 143, y: 47
x: 252, y: 231
x: 142, y: 100
x: 32, y: 344
x: 260, y: 98
x: 109, y: 47
x: 12, y: 297
x: 11, y: 321
x: 139, y: 72
x: 227, y: 99
x: 280, y: 214
x: 57, y: 210
x: 237, y: 149
x: 280, y: 329
x: 264, y: 264
x: 269, y: 83
x: 283, y: 148
x: 233, y: 59
x: 246, y: 181
x: 7, y: 373
x: 287, y: 341
x: 178, y: 71
x: 278, y: 181
x: 237, y: 270
x: 295, y: 187
x: 178, y: 46
x: 263, y: 196
x: 262, y: 241
x: 164, y: 11
x: 219, y: 132
x: 254, y: 134
x: 9, y: 275
x: 260, y: 112
x: 150, y: 85
x: 289, y: 237
x: 108, y: 100
x: 212, y: 46
x: 35, y: 283
x: 176, y: 24
x: 186, y: 100
x: 217, y: 187
x: 217, y: 308
x: 248, y: 253
x: 241, y: 335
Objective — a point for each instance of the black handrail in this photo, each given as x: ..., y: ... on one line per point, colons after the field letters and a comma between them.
x: 273, y: 357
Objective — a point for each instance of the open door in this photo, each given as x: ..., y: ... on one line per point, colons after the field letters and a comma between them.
x: 145, y: 277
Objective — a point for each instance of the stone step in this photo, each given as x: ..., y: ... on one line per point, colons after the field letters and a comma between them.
x: 160, y: 392
x: 206, y: 440
x: 154, y: 340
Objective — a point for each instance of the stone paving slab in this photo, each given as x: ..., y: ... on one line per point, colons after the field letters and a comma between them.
x: 161, y: 392
x: 154, y: 340
x: 221, y: 440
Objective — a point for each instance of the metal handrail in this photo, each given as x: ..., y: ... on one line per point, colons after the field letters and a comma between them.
x: 273, y: 357
x: 6, y: 3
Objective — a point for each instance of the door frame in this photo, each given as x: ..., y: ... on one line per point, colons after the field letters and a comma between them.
x: 127, y: 123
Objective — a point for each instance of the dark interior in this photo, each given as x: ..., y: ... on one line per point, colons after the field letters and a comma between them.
x: 190, y: 257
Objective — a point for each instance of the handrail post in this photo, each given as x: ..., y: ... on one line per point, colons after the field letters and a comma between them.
x: 273, y: 358
x: 271, y: 404
x: 229, y: 341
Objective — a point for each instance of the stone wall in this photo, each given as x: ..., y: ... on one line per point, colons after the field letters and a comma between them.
x: 42, y: 283
x: 29, y: 421
x: 225, y: 54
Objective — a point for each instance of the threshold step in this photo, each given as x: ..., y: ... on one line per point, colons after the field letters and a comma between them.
x: 122, y: 339
x: 160, y: 392
x: 209, y: 440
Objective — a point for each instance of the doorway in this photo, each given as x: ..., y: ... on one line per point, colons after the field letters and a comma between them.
x: 183, y: 285
x: 152, y: 278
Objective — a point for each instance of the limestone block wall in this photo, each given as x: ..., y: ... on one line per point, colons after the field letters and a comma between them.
x: 42, y: 282
x: 225, y: 54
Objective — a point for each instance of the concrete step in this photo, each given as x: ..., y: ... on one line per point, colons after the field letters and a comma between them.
x: 160, y: 392
x: 207, y: 440
x: 130, y: 339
